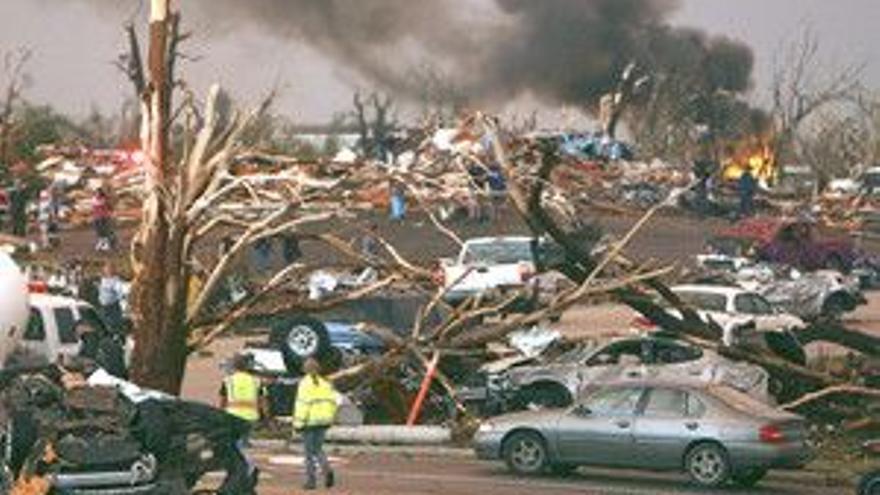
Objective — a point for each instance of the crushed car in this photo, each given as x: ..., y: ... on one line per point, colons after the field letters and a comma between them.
x: 560, y: 375
x: 78, y: 431
x: 806, y: 295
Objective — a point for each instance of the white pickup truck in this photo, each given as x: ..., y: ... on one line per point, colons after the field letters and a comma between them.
x: 488, y: 267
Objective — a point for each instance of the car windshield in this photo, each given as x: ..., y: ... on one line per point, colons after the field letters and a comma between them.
x: 577, y: 355
x: 707, y: 301
x: 499, y: 252
x: 752, y: 304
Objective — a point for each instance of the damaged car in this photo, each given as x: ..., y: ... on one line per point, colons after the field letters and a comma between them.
x: 73, y: 432
x: 823, y: 293
x: 557, y: 381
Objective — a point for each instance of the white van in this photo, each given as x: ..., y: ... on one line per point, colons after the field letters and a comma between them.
x: 50, y: 331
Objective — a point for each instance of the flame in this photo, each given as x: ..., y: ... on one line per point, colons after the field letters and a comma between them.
x: 755, y: 155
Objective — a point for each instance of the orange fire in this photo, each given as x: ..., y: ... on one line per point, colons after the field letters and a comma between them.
x: 756, y: 155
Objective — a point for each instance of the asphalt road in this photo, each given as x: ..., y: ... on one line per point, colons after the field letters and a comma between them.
x: 403, y: 474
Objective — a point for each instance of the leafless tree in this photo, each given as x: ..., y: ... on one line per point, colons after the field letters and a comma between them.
x: 15, y: 80
x: 801, y: 87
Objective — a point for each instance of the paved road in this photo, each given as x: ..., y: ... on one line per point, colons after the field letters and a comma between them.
x: 400, y: 474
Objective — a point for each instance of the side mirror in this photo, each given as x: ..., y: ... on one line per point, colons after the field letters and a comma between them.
x: 581, y: 410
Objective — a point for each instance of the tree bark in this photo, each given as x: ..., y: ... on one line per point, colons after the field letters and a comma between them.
x: 160, y: 294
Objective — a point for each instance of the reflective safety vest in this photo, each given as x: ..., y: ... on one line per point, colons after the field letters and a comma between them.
x: 243, y: 396
x: 316, y: 403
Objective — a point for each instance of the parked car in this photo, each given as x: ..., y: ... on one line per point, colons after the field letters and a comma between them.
x: 489, y: 266
x: 740, y: 313
x: 713, y: 433
x: 558, y: 382
x: 50, y: 332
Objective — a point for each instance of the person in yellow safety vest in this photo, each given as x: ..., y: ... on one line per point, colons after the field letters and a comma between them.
x: 314, y: 412
x: 241, y: 393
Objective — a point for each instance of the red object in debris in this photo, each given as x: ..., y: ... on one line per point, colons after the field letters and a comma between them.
x: 643, y: 323
x: 771, y: 434
x: 38, y: 287
x: 416, y: 408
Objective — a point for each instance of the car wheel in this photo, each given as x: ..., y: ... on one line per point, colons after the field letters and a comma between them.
x: 525, y: 453
x: 562, y: 469
x: 870, y: 484
x: 836, y: 305
x: 748, y: 477
x: 299, y: 339
x: 707, y: 465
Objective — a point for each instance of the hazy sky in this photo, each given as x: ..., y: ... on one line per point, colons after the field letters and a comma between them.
x: 74, y: 44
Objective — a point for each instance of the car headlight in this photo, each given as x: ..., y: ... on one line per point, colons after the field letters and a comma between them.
x: 485, y: 427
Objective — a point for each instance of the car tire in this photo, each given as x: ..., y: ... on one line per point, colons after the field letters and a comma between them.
x: 525, y: 453
x: 836, y: 305
x: 748, y: 478
x: 707, y: 465
x: 301, y: 338
x: 870, y: 484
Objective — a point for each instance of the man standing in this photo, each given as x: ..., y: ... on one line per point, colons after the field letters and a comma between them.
x: 747, y: 185
x: 101, y: 349
x: 240, y: 393
x: 110, y: 295
x: 315, y: 412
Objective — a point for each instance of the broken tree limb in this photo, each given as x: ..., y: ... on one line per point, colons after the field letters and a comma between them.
x: 832, y: 390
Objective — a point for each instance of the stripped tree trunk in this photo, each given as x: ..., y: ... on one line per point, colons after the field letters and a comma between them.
x: 158, y: 301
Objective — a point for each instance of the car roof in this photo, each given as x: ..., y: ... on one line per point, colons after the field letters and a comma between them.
x: 42, y: 300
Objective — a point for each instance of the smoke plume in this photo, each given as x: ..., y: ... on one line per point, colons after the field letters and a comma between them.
x: 561, y: 51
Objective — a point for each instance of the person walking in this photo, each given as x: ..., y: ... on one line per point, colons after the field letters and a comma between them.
x: 102, y: 213
x: 47, y: 217
x: 314, y: 413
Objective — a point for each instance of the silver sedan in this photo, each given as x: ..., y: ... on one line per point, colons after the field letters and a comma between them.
x: 714, y: 433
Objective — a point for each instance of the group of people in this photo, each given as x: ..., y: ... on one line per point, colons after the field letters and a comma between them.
x: 49, y: 205
x: 487, y: 190
x: 242, y: 395
x: 705, y: 171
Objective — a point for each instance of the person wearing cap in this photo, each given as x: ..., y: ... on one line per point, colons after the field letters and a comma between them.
x: 314, y: 413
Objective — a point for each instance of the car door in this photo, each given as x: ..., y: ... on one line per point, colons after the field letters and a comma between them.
x: 670, y: 420
x: 599, y: 430
x: 34, y: 343
x: 760, y: 309
x: 67, y: 342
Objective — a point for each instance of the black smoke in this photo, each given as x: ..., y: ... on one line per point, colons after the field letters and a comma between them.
x: 561, y: 51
